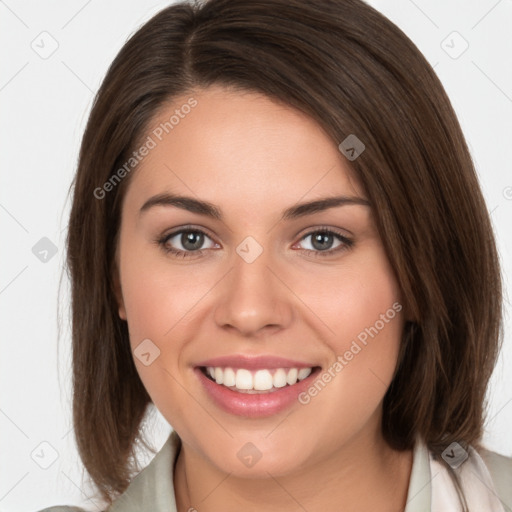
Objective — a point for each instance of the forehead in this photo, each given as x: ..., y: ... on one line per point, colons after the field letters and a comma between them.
x: 241, y: 149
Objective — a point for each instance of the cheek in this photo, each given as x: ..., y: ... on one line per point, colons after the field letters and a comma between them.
x: 157, y: 302
x: 163, y: 305
x: 371, y: 310
x: 362, y: 307
x: 155, y: 296
x: 357, y: 300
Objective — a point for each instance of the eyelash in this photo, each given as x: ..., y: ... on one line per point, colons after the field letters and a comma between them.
x: 346, y: 243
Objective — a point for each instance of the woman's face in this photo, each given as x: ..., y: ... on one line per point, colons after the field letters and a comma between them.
x: 253, y: 281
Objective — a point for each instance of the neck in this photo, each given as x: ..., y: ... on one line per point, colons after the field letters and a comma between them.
x: 364, y: 475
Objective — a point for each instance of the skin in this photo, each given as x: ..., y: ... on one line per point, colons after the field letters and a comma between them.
x: 253, y: 158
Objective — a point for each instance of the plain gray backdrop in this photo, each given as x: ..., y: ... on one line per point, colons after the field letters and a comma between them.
x: 54, y: 56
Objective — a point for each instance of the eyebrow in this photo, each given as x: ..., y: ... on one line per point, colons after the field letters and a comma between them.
x: 210, y: 210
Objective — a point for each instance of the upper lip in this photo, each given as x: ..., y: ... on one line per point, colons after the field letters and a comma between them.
x: 254, y: 362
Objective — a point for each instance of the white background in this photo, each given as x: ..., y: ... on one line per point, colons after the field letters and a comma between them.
x: 44, y: 107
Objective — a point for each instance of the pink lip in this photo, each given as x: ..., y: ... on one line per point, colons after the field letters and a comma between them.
x: 255, y: 405
x: 254, y: 362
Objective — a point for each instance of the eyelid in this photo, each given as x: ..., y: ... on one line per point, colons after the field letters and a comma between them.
x: 345, y: 233
x: 188, y: 227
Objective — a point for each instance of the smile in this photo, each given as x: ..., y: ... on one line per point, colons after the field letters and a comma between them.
x: 238, y: 392
x: 254, y: 381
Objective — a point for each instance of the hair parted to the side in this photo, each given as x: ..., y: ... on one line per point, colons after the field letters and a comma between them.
x: 354, y: 72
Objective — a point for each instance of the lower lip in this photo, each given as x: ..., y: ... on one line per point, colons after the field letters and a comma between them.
x: 255, y: 405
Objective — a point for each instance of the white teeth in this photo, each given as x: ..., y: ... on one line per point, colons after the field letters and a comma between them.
x: 279, y: 378
x: 291, y: 377
x: 229, y: 377
x: 243, y: 379
x: 258, y: 380
x: 303, y: 373
x: 262, y: 380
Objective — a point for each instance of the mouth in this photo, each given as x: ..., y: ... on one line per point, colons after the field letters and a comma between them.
x: 261, y: 381
x: 234, y: 390
x: 256, y: 385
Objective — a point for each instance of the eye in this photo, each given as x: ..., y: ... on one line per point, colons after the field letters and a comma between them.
x: 190, y: 240
x: 322, y: 241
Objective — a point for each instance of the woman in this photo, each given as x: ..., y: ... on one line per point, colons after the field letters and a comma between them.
x: 278, y: 239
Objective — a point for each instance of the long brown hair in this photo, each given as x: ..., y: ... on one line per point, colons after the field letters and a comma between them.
x: 354, y: 72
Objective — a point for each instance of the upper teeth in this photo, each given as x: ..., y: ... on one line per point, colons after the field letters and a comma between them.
x: 259, y: 380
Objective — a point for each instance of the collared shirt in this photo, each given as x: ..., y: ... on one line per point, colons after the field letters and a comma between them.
x: 486, y: 479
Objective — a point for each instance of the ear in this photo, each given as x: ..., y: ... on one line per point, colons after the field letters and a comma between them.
x: 118, y: 291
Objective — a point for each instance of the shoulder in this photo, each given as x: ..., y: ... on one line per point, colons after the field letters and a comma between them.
x: 151, y: 489
x: 63, y: 508
x: 500, y: 469
x: 496, y: 460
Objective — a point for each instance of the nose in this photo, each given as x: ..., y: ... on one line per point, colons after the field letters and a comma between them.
x: 253, y: 299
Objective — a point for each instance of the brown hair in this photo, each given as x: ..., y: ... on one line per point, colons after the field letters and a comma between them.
x: 354, y: 72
